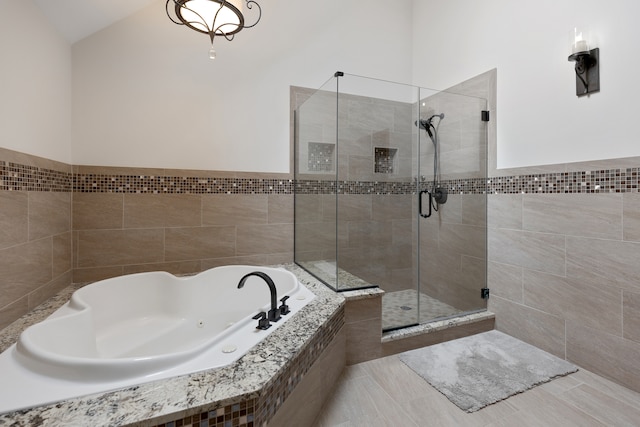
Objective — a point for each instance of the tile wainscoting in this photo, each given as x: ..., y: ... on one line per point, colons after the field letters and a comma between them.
x: 563, y: 247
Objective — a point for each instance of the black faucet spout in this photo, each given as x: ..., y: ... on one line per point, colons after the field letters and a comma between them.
x: 274, y: 313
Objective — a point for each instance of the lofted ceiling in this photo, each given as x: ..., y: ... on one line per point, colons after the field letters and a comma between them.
x: 77, y: 19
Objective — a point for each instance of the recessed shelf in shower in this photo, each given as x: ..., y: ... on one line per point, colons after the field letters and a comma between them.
x: 384, y: 159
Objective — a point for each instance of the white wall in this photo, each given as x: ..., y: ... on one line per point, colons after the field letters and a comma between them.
x: 35, y: 83
x: 540, y: 119
x: 145, y: 93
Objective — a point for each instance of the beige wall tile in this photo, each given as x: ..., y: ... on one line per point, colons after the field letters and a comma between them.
x: 543, y: 330
x: 464, y: 239
x: 535, y: 251
x: 605, y: 354
x: 587, y: 215
x: 49, y: 214
x: 178, y: 267
x: 631, y: 311
x: 604, y: 259
x: 369, y: 233
x: 356, y: 310
x: 62, y: 261
x: 576, y: 300
x: 14, y: 208
x: 234, y: 209
x: 97, y: 211
x: 9, y: 313
x: 50, y: 289
x: 389, y: 207
x: 280, y: 208
x: 504, y: 211
x: 264, y: 239
x: 505, y: 281
x: 354, y: 207
x: 92, y: 274
x: 102, y: 248
x: 237, y: 260
x: 161, y: 210
x: 191, y: 243
x: 23, y: 269
x: 474, y: 209
x: 631, y: 216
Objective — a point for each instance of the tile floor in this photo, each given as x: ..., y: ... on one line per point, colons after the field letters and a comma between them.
x: 385, y: 392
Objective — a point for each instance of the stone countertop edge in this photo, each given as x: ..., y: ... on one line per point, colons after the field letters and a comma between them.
x: 188, y: 394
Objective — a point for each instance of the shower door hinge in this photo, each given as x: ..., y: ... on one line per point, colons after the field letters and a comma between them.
x: 485, y: 115
x: 484, y: 293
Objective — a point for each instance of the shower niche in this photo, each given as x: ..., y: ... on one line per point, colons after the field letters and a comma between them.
x: 370, y: 159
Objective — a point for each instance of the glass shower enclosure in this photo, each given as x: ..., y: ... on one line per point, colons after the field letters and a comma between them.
x: 390, y: 192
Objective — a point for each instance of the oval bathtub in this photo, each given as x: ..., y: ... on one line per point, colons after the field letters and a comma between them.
x: 147, y: 326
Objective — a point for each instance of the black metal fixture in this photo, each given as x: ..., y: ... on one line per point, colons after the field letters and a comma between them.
x: 213, y: 17
x: 587, y: 61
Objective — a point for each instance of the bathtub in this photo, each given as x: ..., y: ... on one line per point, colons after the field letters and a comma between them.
x: 140, y: 328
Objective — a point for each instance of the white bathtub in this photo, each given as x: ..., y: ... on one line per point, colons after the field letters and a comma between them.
x: 142, y: 327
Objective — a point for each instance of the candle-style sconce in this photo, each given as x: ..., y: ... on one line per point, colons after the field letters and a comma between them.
x: 587, y: 61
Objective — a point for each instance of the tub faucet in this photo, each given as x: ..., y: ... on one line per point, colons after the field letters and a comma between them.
x: 274, y: 313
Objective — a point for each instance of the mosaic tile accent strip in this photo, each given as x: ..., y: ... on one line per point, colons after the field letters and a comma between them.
x: 91, y: 183
x: 597, y: 181
x: 236, y: 415
x: 17, y: 177
x: 457, y: 186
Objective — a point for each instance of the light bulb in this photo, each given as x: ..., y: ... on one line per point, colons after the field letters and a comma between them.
x: 212, y: 53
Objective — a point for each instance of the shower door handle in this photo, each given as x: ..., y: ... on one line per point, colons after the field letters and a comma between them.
x: 423, y: 215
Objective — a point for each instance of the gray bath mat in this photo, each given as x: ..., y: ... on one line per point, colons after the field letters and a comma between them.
x: 482, y: 369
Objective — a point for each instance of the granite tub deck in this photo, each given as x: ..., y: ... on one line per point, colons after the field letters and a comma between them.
x: 248, y: 392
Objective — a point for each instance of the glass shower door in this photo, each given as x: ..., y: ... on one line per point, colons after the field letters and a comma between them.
x: 453, y: 232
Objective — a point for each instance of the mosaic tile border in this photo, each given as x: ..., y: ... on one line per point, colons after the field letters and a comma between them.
x: 258, y: 412
x: 92, y: 183
x: 595, y: 181
x: 19, y: 177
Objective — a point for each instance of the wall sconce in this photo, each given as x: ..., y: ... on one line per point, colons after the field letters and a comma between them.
x: 587, y: 62
x: 213, y: 17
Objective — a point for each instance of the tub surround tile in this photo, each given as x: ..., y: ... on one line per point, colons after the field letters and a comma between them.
x: 161, y: 210
x: 190, y: 243
x: 24, y: 268
x: 100, y: 248
x: 263, y: 378
x: 234, y: 209
x: 93, y: 211
x: 14, y: 209
x: 49, y: 213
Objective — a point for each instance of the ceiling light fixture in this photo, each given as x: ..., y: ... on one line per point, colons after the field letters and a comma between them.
x: 213, y: 17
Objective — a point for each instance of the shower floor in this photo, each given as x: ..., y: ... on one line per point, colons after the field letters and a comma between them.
x: 400, y: 309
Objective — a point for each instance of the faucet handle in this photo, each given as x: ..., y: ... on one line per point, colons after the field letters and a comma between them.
x: 263, y: 322
x: 284, y: 308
